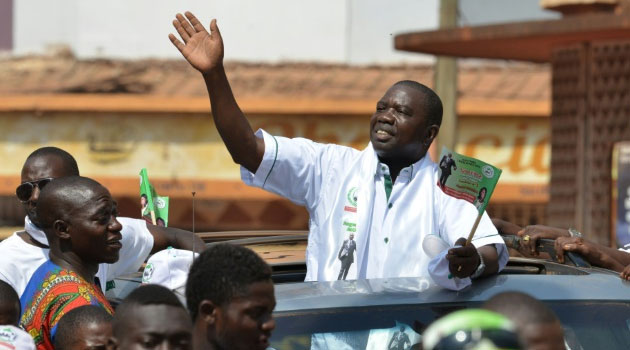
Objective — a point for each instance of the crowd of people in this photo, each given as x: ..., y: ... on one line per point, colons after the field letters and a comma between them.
x: 369, y: 213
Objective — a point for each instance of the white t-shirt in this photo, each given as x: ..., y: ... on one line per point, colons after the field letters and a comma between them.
x: 344, y: 191
x: 13, y: 338
x: 19, y: 260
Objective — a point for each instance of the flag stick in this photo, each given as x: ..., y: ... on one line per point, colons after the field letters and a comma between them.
x: 153, y: 217
x: 474, y: 228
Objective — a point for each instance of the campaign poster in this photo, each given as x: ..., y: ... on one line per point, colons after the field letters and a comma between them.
x: 154, y: 207
x: 467, y: 178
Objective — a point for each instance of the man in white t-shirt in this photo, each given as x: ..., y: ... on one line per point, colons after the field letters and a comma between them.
x: 387, y: 194
x: 24, y: 251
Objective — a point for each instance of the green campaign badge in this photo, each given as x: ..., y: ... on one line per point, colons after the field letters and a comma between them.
x: 467, y: 178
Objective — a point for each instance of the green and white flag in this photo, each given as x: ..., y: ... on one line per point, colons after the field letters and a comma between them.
x: 154, y: 207
x: 467, y: 178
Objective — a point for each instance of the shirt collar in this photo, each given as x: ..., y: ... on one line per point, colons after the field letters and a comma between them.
x: 35, y: 232
x: 406, y: 172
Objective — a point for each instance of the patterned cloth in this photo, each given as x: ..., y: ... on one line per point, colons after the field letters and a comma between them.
x: 50, y: 294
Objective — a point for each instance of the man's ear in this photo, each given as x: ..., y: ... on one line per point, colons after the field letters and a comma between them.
x: 61, y: 229
x: 432, y: 132
x: 208, y: 312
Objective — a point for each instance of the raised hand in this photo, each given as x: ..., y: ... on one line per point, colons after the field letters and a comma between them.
x: 203, y: 50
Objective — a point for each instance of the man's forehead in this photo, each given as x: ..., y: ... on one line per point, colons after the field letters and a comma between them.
x: 43, y: 167
x: 402, y: 94
x: 160, y: 318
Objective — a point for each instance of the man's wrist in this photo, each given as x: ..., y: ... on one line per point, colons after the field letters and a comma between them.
x: 480, y: 268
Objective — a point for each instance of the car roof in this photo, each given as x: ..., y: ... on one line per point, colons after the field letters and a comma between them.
x: 558, y: 283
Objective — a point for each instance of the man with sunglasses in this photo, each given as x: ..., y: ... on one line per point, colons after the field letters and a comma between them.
x: 24, y: 251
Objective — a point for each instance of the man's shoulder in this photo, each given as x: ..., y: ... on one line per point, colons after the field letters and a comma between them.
x: 14, y: 247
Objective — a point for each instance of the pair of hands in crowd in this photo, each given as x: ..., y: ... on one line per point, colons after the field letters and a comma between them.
x: 563, y: 242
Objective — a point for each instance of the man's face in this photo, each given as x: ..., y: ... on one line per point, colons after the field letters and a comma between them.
x: 351, y: 236
x: 246, y: 323
x: 93, y: 336
x: 94, y: 229
x: 399, y: 127
x: 163, y: 327
x: 41, y: 168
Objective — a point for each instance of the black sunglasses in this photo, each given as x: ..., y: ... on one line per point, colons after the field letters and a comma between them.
x: 25, y: 190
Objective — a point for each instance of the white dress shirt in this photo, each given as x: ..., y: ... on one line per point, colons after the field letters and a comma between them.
x: 344, y: 192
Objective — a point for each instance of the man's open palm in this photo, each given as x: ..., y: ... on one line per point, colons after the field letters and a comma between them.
x: 204, y: 51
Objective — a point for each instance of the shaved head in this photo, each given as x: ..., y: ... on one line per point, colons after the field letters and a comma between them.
x: 62, y: 196
x: 536, y: 323
x: 67, y: 161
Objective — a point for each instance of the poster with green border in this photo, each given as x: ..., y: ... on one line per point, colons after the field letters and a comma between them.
x: 154, y: 207
x: 467, y: 178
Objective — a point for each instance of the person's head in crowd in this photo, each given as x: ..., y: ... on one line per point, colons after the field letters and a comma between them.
x: 78, y: 216
x: 537, y: 325
x: 471, y: 329
x: 160, y: 222
x: 143, y: 200
x: 9, y: 305
x: 151, y: 317
x: 230, y: 297
x: 87, y: 327
x: 40, y: 167
x: 406, y: 120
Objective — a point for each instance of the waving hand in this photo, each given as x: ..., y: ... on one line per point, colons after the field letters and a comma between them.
x: 203, y: 50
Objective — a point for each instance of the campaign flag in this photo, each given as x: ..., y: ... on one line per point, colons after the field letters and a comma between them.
x: 154, y: 207
x: 467, y: 178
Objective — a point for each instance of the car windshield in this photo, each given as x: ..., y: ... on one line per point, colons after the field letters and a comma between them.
x: 588, y: 325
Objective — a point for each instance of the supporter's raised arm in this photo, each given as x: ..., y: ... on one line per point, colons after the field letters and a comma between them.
x: 204, y: 51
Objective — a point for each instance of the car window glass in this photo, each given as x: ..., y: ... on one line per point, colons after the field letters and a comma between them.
x: 588, y: 324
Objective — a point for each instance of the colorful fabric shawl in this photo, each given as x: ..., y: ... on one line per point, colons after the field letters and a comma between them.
x: 51, y: 293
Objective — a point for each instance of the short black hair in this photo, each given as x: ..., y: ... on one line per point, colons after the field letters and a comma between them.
x: 10, y: 306
x: 70, y: 164
x: 146, y: 294
x: 521, y: 308
x: 74, y: 320
x: 60, y: 193
x: 222, y: 272
x: 432, y: 101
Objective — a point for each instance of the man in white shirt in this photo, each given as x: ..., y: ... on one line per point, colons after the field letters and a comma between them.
x: 24, y: 251
x: 387, y: 195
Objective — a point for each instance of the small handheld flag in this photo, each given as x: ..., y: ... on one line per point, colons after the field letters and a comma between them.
x: 469, y: 179
x: 153, y: 206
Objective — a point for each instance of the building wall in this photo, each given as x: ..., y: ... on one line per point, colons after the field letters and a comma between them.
x: 184, y: 153
x: 349, y: 31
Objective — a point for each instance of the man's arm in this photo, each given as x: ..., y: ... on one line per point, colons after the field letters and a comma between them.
x: 164, y: 237
x: 594, y: 253
x: 204, y: 51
